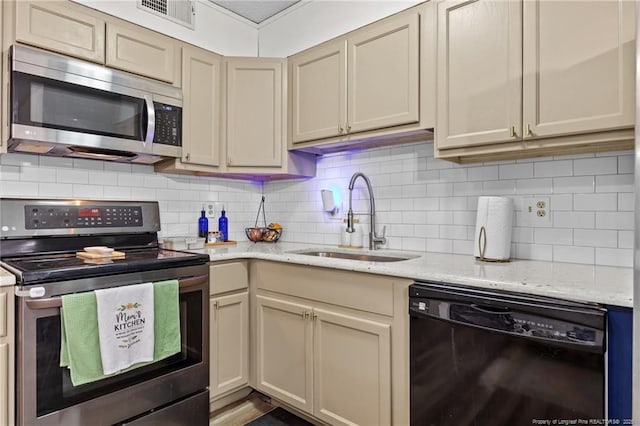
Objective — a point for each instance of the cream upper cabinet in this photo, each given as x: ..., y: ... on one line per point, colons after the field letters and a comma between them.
x: 383, y: 74
x: 141, y: 51
x: 229, y: 343
x: 578, y: 66
x: 284, y: 351
x: 479, y: 72
x: 368, y: 79
x: 62, y: 27
x: 352, y: 369
x: 319, y: 106
x: 255, y: 116
x: 201, y: 106
x: 539, y: 77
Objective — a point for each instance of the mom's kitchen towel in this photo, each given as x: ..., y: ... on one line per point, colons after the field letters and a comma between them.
x: 125, y: 326
x: 80, y: 348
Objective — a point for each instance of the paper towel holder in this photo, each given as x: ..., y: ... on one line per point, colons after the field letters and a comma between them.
x: 328, y: 202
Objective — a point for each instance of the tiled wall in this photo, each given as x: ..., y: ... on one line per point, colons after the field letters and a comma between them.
x: 430, y: 205
x: 180, y: 198
x: 426, y: 204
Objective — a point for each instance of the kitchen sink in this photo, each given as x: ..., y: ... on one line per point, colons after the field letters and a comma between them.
x: 364, y: 257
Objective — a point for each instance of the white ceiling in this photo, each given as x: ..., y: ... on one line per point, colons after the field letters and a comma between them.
x: 255, y: 10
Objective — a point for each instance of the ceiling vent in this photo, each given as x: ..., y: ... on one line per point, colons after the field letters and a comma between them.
x: 182, y: 12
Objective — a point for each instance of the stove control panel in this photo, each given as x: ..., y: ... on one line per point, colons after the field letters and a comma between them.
x: 86, y: 216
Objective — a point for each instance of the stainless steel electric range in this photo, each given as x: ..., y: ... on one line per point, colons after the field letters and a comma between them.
x: 38, y: 244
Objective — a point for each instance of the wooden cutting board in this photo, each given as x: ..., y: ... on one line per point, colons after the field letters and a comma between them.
x: 112, y: 255
x: 221, y: 243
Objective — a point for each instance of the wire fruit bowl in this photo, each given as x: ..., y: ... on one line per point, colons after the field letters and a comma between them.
x: 268, y: 233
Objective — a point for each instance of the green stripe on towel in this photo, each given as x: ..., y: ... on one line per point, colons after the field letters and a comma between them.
x: 80, y: 347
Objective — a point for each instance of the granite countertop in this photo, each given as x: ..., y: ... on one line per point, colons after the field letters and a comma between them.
x: 583, y: 283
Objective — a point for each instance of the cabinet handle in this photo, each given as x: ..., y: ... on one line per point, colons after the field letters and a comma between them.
x: 348, y: 128
x: 340, y: 129
x: 314, y: 316
x: 216, y: 306
x: 512, y: 132
x: 528, y: 131
x: 186, y: 157
x: 304, y: 315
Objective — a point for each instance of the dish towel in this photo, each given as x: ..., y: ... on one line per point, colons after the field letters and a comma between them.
x: 80, y: 346
x: 125, y: 326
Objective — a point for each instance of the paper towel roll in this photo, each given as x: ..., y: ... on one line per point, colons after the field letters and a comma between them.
x: 493, y: 228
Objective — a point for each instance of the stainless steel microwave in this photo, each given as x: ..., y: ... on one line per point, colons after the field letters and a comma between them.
x: 67, y: 107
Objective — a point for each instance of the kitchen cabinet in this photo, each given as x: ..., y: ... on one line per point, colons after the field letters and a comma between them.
x: 377, y: 77
x: 7, y: 344
x: 140, y: 51
x: 324, y: 344
x: 229, y: 328
x: 533, y: 78
x: 62, y: 27
x: 201, y: 106
x: 75, y: 30
x: 255, y: 116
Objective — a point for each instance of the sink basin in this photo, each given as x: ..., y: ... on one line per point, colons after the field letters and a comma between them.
x: 364, y: 257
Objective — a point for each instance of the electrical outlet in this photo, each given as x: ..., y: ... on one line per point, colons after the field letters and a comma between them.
x: 534, y: 212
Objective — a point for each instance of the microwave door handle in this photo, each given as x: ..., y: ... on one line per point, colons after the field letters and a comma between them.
x: 151, y: 121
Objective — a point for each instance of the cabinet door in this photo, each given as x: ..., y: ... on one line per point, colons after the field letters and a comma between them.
x: 383, y: 74
x: 284, y: 351
x: 319, y: 100
x: 479, y: 72
x: 352, y: 370
x: 140, y: 51
x: 201, y: 111
x: 579, y: 66
x: 254, y: 112
x: 62, y: 27
x: 229, y: 342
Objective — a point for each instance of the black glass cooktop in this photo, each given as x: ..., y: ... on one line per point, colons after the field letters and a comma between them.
x: 47, y: 268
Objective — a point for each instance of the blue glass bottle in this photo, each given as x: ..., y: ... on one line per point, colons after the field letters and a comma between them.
x: 203, y: 224
x: 223, y: 225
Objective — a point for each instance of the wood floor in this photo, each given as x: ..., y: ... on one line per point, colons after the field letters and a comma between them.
x: 241, y: 413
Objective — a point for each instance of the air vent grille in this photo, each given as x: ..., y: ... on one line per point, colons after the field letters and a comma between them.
x: 182, y: 12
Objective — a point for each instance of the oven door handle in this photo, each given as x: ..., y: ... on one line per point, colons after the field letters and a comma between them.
x: 56, y: 302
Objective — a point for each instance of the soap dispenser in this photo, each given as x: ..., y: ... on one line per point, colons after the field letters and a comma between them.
x: 203, y: 224
x: 223, y: 225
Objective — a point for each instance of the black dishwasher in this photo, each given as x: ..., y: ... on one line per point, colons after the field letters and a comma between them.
x: 496, y: 358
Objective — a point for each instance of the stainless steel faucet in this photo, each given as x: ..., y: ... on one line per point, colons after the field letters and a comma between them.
x: 375, y: 240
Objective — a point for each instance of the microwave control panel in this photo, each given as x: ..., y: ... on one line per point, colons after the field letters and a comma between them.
x: 168, y: 124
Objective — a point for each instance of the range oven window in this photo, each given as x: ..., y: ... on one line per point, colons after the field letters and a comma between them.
x: 53, y: 385
x: 58, y: 105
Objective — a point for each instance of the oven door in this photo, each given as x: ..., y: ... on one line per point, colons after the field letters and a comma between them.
x: 46, y: 395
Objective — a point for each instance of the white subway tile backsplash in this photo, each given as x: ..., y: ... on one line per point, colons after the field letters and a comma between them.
x: 516, y: 171
x: 595, y: 237
x: 614, y: 257
x: 573, y: 254
x: 614, y: 220
x: 614, y: 183
x: 427, y: 204
x: 595, y: 166
x: 573, y: 219
x: 572, y: 185
x: 553, y: 236
x: 553, y: 168
x: 595, y: 202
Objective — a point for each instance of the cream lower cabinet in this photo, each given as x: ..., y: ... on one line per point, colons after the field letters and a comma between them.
x: 534, y: 78
x: 229, y: 343
x: 229, y: 328
x: 7, y: 344
x: 333, y: 365
x: 330, y: 343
